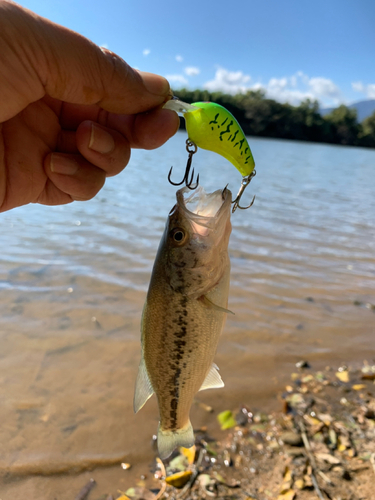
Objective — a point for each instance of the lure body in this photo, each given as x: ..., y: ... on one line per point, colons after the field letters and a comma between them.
x: 214, y: 128
x: 211, y: 126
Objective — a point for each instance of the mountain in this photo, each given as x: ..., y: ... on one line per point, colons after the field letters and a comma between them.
x: 364, y: 109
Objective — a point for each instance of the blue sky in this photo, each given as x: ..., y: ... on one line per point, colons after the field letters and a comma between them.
x: 322, y: 49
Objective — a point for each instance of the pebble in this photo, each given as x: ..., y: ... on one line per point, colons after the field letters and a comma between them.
x: 291, y: 438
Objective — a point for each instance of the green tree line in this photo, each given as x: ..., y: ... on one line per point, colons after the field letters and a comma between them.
x: 264, y: 117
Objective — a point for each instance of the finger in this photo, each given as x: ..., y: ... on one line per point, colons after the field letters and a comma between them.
x: 153, y: 129
x: 67, y: 66
x: 103, y: 147
x: 148, y: 130
x: 74, y: 176
x: 66, y: 142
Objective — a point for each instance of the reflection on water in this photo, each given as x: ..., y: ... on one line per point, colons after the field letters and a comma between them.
x: 73, y: 280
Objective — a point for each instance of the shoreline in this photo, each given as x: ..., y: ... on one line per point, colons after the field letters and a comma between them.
x: 321, y: 445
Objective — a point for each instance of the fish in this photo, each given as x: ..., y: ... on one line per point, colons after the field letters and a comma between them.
x: 185, y: 312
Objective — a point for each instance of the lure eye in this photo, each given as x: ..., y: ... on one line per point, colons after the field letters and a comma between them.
x: 178, y: 235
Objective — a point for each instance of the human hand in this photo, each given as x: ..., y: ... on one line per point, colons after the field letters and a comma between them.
x: 70, y: 112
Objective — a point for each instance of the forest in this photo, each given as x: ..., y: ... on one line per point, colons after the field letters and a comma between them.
x: 260, y: 116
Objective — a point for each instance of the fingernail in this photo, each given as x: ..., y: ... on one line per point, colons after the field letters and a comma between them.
x: 100, y: 140
x: 61, y: 164
x: 155, y: 84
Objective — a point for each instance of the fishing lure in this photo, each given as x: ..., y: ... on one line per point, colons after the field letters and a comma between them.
x: 212, y: 127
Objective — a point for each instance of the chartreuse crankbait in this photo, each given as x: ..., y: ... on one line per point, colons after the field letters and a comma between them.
x: 212, y: 127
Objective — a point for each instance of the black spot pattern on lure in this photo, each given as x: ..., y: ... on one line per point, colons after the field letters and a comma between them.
x: 226, y: 131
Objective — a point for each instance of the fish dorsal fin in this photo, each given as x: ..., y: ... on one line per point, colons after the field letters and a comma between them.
x: 143, y: 387
x: 208, y: 303
x: 213, y: 379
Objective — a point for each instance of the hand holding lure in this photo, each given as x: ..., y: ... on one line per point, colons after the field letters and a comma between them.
x: 212, y: 127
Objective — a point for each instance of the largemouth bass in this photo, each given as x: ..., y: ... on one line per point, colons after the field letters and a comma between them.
x: 185, y: 312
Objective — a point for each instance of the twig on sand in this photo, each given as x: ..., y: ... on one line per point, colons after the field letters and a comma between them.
x: 312, y: 460
x: 82, y: 495
x: 164, y: 484
x: 194, y: 476
x: 372, y: 460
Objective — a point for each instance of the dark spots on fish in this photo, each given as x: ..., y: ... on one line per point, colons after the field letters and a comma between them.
x: 180, y: 264
x: 224, y: 121
x: 177, y: 355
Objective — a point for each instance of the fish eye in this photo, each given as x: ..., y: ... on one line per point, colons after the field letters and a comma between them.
x: 178, y: 235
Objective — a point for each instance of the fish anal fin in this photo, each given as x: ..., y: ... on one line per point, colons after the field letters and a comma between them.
x: 169, y: 440
x: 208, y: 303
x: 212, y: 380
x: 143, y: 387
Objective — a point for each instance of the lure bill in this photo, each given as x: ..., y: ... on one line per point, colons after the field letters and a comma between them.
x: 212, y: 127
x: 185, y: 312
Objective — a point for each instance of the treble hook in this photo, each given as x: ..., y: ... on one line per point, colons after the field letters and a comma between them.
x: 244, y: 183
x: 188, y: 182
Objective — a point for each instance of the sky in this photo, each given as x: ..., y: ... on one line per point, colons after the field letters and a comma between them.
x: 317, y: 49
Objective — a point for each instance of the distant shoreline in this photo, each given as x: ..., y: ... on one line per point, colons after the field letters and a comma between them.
x: 262, y: 117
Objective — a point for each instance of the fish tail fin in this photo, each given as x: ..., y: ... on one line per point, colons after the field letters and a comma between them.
x: 168, y: 441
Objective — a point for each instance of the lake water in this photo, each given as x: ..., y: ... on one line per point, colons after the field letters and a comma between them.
x: 73, y: 281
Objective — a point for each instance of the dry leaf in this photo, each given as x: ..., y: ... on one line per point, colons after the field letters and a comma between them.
x: 287, y: 480
x: 343, y: 376
x: 299, y: 484
x: 287, y: 495
x: 189, y: 453
x: 226, y: 420
x: 179, y: 479
x: 358, y: 387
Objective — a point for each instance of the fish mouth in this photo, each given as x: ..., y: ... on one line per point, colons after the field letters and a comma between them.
x: 202, y: 208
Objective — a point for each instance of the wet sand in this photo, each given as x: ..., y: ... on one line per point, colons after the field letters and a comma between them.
x: 67, y: 398
x: 73, y: 282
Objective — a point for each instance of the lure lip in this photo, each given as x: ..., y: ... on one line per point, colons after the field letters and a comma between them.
x: 178, y: 106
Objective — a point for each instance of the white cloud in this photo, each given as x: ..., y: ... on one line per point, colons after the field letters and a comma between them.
x: 296, y: 88
x: 104, y: 45
x: 230, y: 82
x: 177, y: 79
x: 192, y: 71
x: 146, y: 52
x: 179, y: 58
x: 323, y: 87
x: 358, y: 86
x: 371, y: 91
x: 292, y: 89
x: 367, y: 90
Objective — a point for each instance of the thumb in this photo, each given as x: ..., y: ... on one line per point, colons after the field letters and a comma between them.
x: 67, y: 66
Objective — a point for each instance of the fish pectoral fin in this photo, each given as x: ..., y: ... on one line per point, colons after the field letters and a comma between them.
x: 143, y: 387
x: 208, y: 303
x: 213, y: 379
